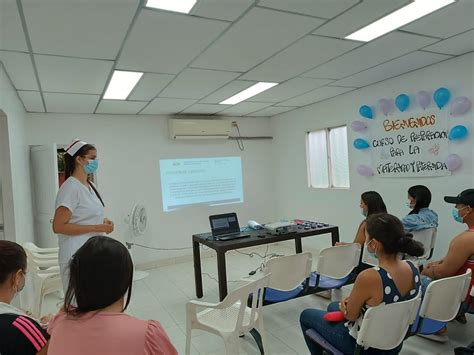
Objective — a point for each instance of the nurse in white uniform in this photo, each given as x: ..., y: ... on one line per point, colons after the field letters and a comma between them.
x: 79, y: 208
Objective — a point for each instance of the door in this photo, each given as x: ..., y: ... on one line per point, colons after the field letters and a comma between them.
x: 44, y: 172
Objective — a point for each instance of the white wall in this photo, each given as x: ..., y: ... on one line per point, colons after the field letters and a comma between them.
x: 15, y: 171
x: 129, y: 150
x: 341, y: 207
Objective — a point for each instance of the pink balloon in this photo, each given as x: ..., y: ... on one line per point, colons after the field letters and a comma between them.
x: 423, y: 98
x: 454, y: 162
x: 358, y: 126
x: 460, y: 105
x: 365, y: 170
x: 385, y: 106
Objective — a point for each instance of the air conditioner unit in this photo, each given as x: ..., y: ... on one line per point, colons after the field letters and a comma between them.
x: 199, y: 129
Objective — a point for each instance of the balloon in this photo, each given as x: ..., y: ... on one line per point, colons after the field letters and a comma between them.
x: 424, y: 99
x: 460, y: 105
x: 454, y: 162
x: 365, y: 170
x: 366, y: 111
x: 457, y: 132
x: 385, y: 106
x: 402, y: 102
x: 358, y: 126
x: 360, y: 143
x: 441, y: 97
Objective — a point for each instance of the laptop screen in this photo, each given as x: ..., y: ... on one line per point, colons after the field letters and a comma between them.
x: 224, y: 224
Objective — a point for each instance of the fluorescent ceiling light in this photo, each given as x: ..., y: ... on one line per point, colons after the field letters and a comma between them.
x: 399, y: 18
x: 249, y: 92
x: 121, y: 84
x: 183, y: 6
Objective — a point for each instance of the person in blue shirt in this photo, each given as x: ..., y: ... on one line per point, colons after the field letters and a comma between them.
x: 420, y: 216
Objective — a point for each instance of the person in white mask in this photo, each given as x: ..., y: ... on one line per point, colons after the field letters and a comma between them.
x: 420, y: 216
x: 20, y: 334
x: 79, y: 207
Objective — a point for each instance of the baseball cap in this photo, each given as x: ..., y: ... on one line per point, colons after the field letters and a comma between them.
x: 466, y: 198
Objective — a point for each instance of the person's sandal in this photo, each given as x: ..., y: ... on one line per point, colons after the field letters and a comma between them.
x: 461, y: 318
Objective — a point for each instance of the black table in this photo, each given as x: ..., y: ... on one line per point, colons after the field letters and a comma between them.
x: 221, y: 247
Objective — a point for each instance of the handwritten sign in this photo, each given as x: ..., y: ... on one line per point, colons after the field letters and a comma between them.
x: 412, y: 146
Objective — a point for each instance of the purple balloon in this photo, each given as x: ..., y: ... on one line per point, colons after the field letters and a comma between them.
x: 358, y: 126
x: 454, y: 162
x: 423, y: 98
x: 365, y: 170
x: 385, y: 106
x: 460, y: 105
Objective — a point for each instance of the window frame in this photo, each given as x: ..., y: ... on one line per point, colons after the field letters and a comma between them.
x: 328, y: 159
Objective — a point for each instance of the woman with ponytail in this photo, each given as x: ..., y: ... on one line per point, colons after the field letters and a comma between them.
x: 394, y: 280
x: 79, y: 207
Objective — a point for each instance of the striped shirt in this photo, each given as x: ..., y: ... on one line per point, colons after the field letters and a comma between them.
x: 21, y: 335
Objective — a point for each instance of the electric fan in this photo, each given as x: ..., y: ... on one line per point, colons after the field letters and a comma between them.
x: 137, y: 221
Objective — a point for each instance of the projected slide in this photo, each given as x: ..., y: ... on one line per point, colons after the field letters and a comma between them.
x: 210, y: 181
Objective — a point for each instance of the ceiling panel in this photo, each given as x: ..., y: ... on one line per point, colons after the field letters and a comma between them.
x: 271, y: 111
x: 227, y: 91
x: 197, y: 83
x: 305, y: 54
x: 359, y: 16
x: 20, y: 70
x: 70, y: 103
x: 457, y: 45
x: 164, y: 42
x: 73, y: 75
x: 291, y: 88
x: 319, y: 8
x: 149, y: 86
x: 449, y: 21
x: 32, y: 101
x: 205, y: 109
x: 12, y: 36
x: 256, y: 36
x: 373, y: 53
x: 244, y: 108
x: 88, y: 29
x: 320, y: 94
x: 227, y: 10
x: 409, y: 62
x: 120, y: 107
x: 162, y: 106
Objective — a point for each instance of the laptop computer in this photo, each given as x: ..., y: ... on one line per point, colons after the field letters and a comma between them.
x: 226, y: 227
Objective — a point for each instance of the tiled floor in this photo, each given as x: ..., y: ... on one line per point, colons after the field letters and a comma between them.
x: 162, y: 296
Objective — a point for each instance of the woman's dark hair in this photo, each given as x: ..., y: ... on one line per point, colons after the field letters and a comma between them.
x: 70, y: 165
x: 100, y: 273
x: 70, y: 161
x: 388, y: 230
x: 374, y: 202
x: 422, y: 195
x: 12, y: 259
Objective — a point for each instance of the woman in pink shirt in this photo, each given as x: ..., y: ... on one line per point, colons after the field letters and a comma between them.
x: 101, y: 274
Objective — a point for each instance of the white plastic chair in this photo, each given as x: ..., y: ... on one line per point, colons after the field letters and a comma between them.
x: 45, y: 276
x: 334, y: 265
x: 34, y: 248
x: 231, y: 317
x: 287, y: 274
x: 441, y: 302
x: 373, y: 332
x: 427, y: 237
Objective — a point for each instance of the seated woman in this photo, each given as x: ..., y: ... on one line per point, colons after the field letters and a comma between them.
x: 420, y: 216
x: 370, y: 202
x: 101, y: 274
x: 394, y: 280
x: 19, y: 333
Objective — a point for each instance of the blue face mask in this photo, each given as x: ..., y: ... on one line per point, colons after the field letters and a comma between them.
x: 456, y: 216
x: 371, y: 253
x: 364, y: 212
x: 91, y: 166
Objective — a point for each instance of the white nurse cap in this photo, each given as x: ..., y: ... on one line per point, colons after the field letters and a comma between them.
x: 75, y: 145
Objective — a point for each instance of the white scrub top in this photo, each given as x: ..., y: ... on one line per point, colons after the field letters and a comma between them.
x: 86, y: 209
